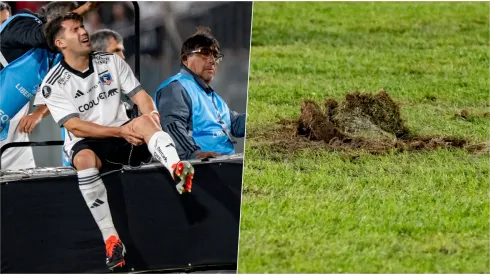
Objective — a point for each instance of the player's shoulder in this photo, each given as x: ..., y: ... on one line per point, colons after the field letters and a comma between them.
x: 54, y: 80
x: 46, y: 89
x: 57, y: 76
x: 101, y: 53
x: 53, y: 74
x: 102, y: 58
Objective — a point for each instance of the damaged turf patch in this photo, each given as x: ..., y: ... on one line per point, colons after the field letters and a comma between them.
x: 470, y: 117
x: 363, y: 121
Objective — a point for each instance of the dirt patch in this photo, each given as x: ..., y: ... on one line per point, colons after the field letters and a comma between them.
x: 314, y: 124
x: 466, y: 115
x: 363, y: 121
x: 365, y: 112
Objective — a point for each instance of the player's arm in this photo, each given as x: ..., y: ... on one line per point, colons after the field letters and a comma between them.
x: 41, y: 111
x: 146, y: 105
x: 28, y: 32
x: 237, y: 124
x: 64, y: 112
x: 29, y: 122
x: 87, y: 7
x: 131, y: 87
x: 85, y: 129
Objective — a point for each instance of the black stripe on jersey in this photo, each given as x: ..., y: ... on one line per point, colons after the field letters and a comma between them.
x: 54, y: 73
x: 103, y: 53
x: 181, y: 139
x: 58, y: 75
x: 103, y: 72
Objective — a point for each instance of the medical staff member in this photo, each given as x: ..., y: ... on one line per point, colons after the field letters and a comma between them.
x: 195, y: 116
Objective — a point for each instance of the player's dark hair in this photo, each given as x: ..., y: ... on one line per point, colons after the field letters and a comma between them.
x: 203, y: 37
x: 54, y: 28
x: 5, y: 6
x: 55, y: 8
x: 100, y: 39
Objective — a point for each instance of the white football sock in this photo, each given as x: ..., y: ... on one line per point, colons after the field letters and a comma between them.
x: 95, y: 195
x: 162, y: 147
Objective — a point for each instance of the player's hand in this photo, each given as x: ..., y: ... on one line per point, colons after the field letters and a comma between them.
x: 131, y: 136
x: 29, y: 122
x: 204, y: 155
x: 88, y: 7
x: 93, y: 5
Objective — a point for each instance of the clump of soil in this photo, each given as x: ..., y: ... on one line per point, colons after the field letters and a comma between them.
x: 361, y: 116
x: 376, y: 115
x: 371, y: 122
x: 314, y: 124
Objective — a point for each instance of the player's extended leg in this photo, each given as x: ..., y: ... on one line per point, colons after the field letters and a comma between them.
x: 162, y: 147
x: 94, y: 192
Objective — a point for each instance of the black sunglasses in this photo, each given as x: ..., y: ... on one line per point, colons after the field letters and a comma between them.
x: 218, y: 57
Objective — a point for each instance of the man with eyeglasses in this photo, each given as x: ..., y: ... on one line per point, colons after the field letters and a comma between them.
x: 195, y: 116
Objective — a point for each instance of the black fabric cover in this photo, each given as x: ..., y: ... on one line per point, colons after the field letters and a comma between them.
x: 46, y: 227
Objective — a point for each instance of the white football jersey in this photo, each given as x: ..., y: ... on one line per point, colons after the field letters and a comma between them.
x: 17, y: 157
x: 93, y: 95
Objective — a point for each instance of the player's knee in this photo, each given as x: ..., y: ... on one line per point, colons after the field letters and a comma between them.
x: 85, y: 159
x: 144, y: 123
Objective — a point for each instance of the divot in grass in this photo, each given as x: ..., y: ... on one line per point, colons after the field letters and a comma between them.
x: 367, y: 121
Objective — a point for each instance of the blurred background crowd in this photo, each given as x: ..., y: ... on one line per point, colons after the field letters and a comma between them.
x: 163, y: 28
